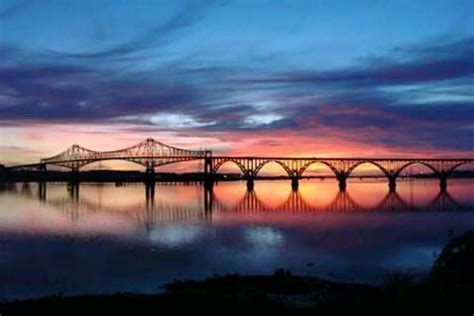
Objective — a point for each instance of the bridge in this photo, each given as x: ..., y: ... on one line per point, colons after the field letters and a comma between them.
x: 151, y: 153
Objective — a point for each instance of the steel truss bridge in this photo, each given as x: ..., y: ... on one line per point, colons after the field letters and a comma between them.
x: 151, y: 154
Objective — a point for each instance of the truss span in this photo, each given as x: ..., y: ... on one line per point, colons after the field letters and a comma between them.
x: 149, y: 153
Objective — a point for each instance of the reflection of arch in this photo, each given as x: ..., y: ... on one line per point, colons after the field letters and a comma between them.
x: 351, y: 169
x: 451, y: 170
x: 263, y: 164
x: 393, y: 202
x: 251, y: 203
x: 150, y: 212
x: 223, y: 162
x: 446, y: 202
x: 397, y: 173
x: 342, y: 202
x: 327, y: 164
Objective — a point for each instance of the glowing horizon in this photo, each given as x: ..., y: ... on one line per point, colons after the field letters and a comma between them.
x: 237, y: 77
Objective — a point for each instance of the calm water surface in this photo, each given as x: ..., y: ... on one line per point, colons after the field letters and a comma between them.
x: 100, y: 238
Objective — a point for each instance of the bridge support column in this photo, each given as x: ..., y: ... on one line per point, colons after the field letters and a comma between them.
x: 342, y: 181
x: 150, y: 192
x: 208, y: 199
x: 294, y: 183
x: 42, y: 173
x: 392, y: 183
x: 443, y: 183
x: 208, y: 174
x: 250, y: 183
x: 74, y: 176
x: 73, y: 188
x: 42, y: 191
x: 150, y: 176
x: 208, y: 183
x: 208, y: 165
x: 3, y: 173
x: 150, y: 184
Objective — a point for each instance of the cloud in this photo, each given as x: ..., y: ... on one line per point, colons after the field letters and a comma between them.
x: 418, y: 103
x: 433, y: 63
x: 442, y: 124
x: 157, y: 36
x: 58, y: 92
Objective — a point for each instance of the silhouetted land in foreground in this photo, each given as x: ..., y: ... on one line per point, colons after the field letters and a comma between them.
x: 447, y: 290
x: 138, y: 176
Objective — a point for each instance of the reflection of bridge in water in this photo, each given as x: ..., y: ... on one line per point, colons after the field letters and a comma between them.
x: 150, y: 212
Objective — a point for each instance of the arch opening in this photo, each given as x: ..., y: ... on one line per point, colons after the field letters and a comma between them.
x: 419, y: 166
x: 270, y: 168
x: 314, y: 168
x: 360, y: 169
x: 229, y: 165
x: 462, y: 167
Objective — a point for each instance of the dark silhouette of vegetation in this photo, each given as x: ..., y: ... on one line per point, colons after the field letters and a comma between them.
x: 447, y: 290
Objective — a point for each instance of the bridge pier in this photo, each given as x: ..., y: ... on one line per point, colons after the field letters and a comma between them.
x: 42, y: 173
x: 208, y: 166
x: 74, y: 176
x: 250, y: 183
x: 208, y: 182
x: 341, y: 178
x: 443, y: 183
x: 149, y: 192
x: 42, y: 191
x: 73, y: 188
x: 3, y: 173
x: 294, y: 183
x: 208, y: 199
x: 392, y: 183
x: 208, y: 173
x: 150, y: 176
x: 150, y: 184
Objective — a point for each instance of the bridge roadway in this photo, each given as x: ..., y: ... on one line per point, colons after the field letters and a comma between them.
x: 151, y: 154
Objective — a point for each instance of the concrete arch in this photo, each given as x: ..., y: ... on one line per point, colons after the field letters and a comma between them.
x: 459, y: 165
x: 436, y: 171
x: 263, y: 164
x: 355, y: 166
x: 327, y: 164
x: 223, y: 162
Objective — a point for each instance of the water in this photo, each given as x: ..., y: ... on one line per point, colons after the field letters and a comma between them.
x: 100, y: 238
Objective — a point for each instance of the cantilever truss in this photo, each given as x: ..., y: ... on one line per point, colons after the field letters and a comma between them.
x: 149, y: 153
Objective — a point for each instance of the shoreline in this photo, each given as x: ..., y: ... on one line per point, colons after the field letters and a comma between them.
x: 447, y: 289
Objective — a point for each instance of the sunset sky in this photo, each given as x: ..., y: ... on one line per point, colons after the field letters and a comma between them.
x: 280, y: 77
